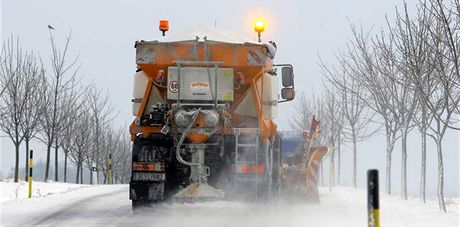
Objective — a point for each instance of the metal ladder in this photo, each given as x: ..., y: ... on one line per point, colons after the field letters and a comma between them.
x: 252, y: 146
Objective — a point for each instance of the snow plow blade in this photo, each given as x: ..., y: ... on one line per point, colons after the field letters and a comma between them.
x: 311, y: 181
x: 301, y: 180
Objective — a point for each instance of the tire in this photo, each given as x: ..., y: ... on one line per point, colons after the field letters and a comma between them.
x: 264, y: 192
x: 276, y: 174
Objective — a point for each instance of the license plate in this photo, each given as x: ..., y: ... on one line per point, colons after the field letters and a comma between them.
x: 149, y: 176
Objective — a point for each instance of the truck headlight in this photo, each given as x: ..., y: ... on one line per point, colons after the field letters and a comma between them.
x: 211, y: 118
x: 182, y: 119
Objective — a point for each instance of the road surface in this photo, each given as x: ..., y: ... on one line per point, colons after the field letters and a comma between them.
x: 110, y: 206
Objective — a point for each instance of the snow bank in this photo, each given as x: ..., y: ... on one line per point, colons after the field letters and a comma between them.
x: 350, y: 205
x: 11, y: 191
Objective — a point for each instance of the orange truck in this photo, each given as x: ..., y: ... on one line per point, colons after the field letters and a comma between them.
x: 204, y: 103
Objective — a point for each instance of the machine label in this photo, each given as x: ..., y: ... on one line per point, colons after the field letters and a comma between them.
x: 173, y: 86
x: 199, y: 85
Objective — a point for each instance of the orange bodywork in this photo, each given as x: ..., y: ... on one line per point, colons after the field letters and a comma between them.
x: 249, y: 63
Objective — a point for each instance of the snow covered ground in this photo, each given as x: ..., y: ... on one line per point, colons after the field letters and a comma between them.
x: 350, y: 204
x: 108, y: 205
x: 10, y: 190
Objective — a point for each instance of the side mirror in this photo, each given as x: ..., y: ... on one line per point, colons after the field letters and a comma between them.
x: 287, y: 76
x: 287, y: 93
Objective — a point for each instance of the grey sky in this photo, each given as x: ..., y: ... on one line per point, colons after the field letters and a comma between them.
x: 104, y: 33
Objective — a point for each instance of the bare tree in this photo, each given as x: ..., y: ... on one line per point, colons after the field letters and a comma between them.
x: 436, y: 30
x: 73, y: 103
x: 303, y: 114
x: 413, y: 58
x: 447, y: 15
x: 332, y: 121
x: 35, y: 82
x: 18, y: 73
x: 66, y: 142
x: 81, y: 141
x: 122, y: 157
x: 364, y: 62
x: 63, y: 78
x: 356, y: 114
x: 102, y: 112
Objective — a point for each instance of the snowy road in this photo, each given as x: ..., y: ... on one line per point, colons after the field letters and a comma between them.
x: 109, y: 206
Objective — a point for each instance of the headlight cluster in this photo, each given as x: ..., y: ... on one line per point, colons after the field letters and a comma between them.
x: 183, y: 118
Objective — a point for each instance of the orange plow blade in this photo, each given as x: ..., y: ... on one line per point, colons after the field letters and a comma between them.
x: 313, y: 164
x: 301, y: 179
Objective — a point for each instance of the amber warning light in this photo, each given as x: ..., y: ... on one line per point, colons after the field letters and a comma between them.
x: 164, y: 26
x: 259, y: 27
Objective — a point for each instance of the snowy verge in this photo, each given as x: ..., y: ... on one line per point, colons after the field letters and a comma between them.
x: 394, y: 211
x: 11, y: 191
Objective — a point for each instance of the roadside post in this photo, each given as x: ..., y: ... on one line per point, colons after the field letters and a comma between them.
x: 94, y: 173
x: 30, y: 172
x: 110, y: 168
x: 373, y: 198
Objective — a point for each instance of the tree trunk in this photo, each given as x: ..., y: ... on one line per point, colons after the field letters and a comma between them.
x: 331, y: 171
x: 56, y: 160
x: 388, y: 165
x: 81, y: 173
x: 26, y: 170
x: 388, y: 172
x: 442, y: 204
x: 404, y: 164
x: 65, y: 167
x: 48, y: 157
x: 77, y: 178
x: 338, y: 159
x: 90, y: 175
x: 16, y: 166
x: 97, y: 149
x: 354, y: 160
x: 423, y: 166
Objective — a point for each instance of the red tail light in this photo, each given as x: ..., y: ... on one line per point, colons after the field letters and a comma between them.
x: 249, y: 168
x: 244, y: 168
x: 261, y: 169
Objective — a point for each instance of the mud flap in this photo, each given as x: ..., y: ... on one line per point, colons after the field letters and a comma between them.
x: 152, y: 191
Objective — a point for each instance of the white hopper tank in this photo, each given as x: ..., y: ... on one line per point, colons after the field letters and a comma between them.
x: 139, y: 86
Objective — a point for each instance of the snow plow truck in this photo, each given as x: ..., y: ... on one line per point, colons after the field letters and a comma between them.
x: 204, y: 103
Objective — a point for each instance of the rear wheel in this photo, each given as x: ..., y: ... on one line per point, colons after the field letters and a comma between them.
x: 147, y: 186
x: 276, y: 169
x: 265, y: 182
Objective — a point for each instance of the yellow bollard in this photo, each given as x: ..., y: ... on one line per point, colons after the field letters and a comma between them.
x: 373, y: 198
x: 30, y: 173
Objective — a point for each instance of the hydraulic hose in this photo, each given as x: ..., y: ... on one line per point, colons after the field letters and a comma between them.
x: 182, y: 138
